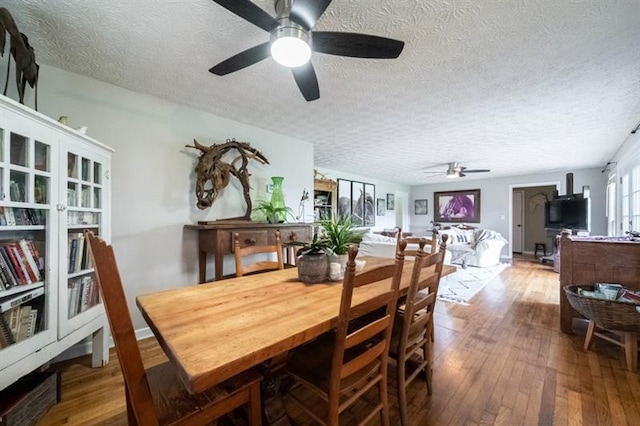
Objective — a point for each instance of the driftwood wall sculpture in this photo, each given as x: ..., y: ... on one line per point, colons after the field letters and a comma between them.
x: 213, y: 174
x: 23, y: 55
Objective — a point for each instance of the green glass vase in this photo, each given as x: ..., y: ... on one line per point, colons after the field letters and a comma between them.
x: 277, y: 198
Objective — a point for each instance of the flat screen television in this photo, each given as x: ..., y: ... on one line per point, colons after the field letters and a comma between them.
x: 568, y: 213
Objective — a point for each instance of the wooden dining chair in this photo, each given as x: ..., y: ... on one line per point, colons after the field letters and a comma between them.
x: 413, y: 244
x: 342, y: 365
x: 156, y: 396
x: 413, y: 327
x: 241, y: 251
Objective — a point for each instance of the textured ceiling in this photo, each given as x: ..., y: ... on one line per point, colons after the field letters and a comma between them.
x: 517, y: 86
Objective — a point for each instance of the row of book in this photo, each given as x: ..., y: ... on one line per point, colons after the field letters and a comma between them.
x: 82, y: 293
x: 82, y: 218
x: 14, y: 216
x: 78, y: 253
x: 20, y: 264
x: 19, y: 316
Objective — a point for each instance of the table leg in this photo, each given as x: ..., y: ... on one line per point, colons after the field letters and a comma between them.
x: 274, y: 412
x: 202, y: 267
x: 218, y: 266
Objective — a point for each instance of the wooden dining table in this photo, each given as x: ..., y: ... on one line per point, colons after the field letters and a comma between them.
x: 213, y: 331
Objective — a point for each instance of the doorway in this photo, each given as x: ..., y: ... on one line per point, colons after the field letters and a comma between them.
x: 530, y: 216
x: 518, y: 222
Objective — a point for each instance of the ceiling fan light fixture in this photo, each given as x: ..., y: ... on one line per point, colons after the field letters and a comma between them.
x: 452, y: 174
x: 290, y: 45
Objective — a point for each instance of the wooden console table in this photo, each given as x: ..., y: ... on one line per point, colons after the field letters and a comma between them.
x: 216, y: 238
x: 588, y: 261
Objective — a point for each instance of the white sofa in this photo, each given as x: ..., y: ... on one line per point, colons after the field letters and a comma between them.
x: 474, y: 247
x: 382, y: 246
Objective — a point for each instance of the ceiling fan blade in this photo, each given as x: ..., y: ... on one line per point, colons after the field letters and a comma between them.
x: 249, y: 12
x: 461, y: 174
x: 307, y: 12
x: 355, y: 45
x: 307, y: 81
x: 476, y: 170
x: 243, y: 59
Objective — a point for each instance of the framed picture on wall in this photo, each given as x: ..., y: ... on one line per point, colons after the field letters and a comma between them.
x: 390, y: 202
x: 457, y: 206
x: 420, y: 207
x: 380, y: 211
x: 356, y: 200
x: 344, y: 198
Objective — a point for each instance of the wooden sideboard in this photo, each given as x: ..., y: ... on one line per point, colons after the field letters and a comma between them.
x: 584, y: 261
x: 216, y: 238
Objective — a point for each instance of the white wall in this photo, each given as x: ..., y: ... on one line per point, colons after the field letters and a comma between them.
x: 495, y: 197
x: 153, y: 175
x: 382, y: 189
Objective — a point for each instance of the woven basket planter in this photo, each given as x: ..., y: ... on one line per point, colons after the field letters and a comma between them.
x: 607, y: 314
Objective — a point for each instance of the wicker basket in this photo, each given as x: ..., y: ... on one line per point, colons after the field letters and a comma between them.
x: 607, y: 314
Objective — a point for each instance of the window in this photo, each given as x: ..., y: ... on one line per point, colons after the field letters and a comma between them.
x: 635, y: 199
x: 625, y: 218
x: 630, y: 198
x: 611, y: 208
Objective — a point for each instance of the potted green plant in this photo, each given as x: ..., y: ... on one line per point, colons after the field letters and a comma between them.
x: 340, y: 235
x: 312, y: 259
x: 273, y: 213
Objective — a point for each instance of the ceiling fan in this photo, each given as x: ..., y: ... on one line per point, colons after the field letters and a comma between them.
x: 455, y: 170
x: 292, y: 41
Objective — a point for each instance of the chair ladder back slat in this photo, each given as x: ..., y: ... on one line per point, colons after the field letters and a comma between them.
x: 263, y: 265
x: 367, y: 332
x: 115, y: 302
x: 365, y: 358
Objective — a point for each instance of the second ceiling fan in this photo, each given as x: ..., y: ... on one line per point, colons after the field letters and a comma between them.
x: 455, y: 170
x: 292, y: 41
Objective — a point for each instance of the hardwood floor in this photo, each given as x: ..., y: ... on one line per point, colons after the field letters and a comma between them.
x: 501, y: 360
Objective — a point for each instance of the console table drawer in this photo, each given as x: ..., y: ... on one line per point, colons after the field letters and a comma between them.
x: 302, y: 233
x: 252, y: 238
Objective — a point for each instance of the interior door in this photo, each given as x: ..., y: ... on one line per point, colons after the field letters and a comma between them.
x: 518, y: 222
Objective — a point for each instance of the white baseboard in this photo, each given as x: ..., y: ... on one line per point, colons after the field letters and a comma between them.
x: 84, y: 346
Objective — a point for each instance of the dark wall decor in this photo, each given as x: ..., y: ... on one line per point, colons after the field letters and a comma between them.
x: 457, y: 206
x: 380, y: 211
x: 390, y: 201
x: 23, y: 54
x: 420, y: 207
x: 213, y: 174
x: 356, y: 200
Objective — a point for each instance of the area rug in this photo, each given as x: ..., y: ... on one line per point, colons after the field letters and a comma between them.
x: 463, y: 284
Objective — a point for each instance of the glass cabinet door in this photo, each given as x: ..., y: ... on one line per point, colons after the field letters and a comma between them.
x: 26, y: 315
x: 80, y: 298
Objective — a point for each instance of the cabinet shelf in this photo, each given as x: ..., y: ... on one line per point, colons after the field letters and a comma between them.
x: 324, y: 196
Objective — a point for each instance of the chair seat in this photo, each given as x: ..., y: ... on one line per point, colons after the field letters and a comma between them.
x: 174, y: 404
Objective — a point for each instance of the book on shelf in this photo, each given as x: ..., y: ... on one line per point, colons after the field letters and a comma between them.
x: 21, y: 323
x: 28, y: 260
x: 79, y: 250
x: 9, y: 216
x: 16, y: 191
x: 6, y: 336
x: 7, y: 265
x: 14, y: 257
x: 35, y: 252
x: 12, y: 216
x: 15, y: 300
